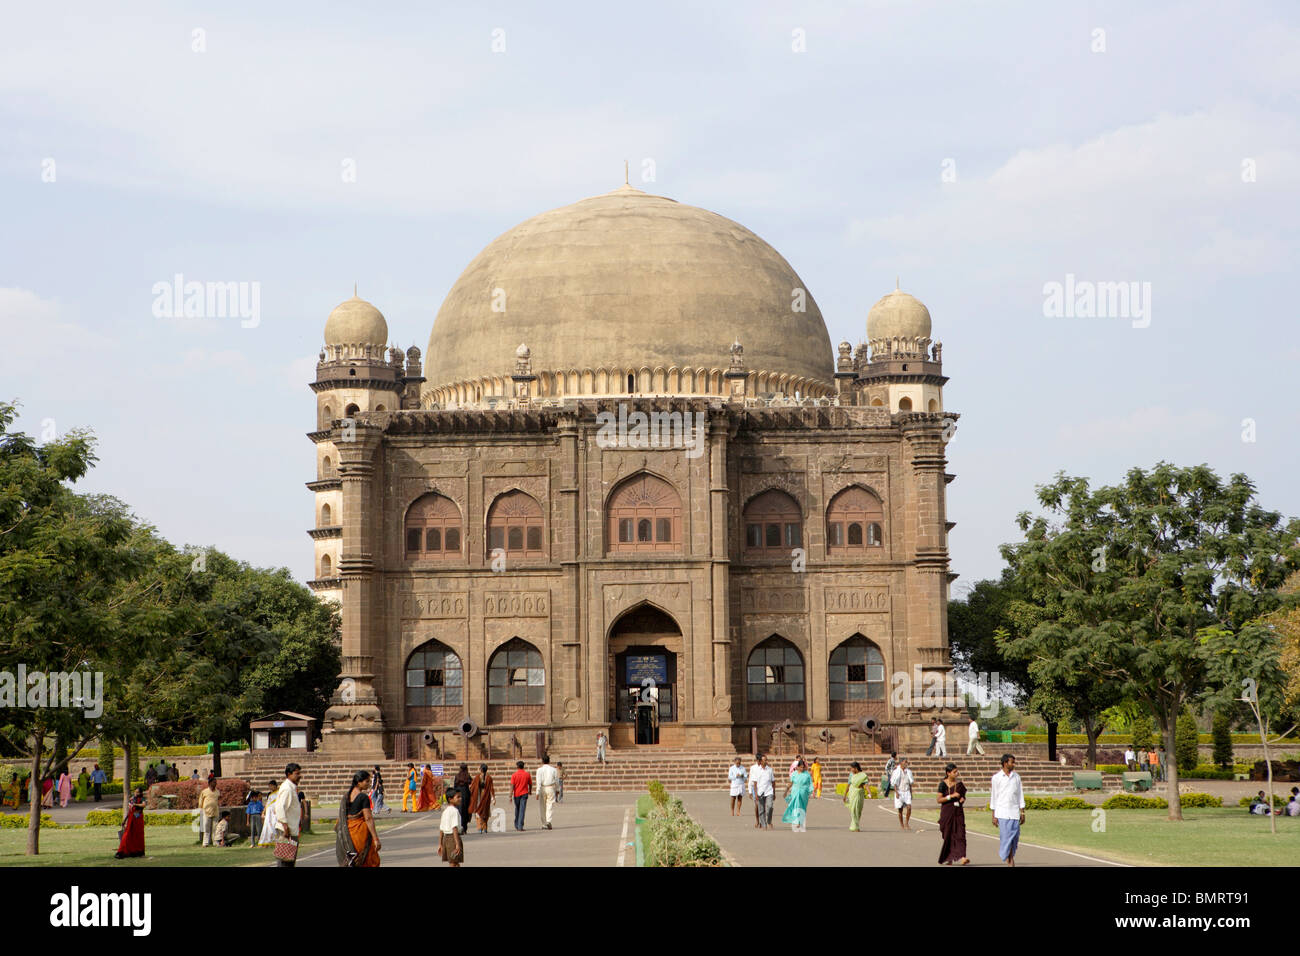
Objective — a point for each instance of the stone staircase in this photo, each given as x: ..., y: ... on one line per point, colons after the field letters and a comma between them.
x: 630, y: 770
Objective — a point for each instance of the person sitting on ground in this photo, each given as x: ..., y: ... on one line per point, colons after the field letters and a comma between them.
x: 1293, y: 808
x: 223, y: 829
x: 1259, y: 806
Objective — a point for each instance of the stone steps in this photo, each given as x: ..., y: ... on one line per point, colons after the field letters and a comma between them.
x: 680, y: 770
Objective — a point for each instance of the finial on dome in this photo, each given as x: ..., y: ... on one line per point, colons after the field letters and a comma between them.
x: 354, y: 290
x: 625, y: 182
x: 897, y: 287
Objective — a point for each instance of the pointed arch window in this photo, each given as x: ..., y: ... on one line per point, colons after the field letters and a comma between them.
x: 434, y: 677
x: 854, y: 521
x: 432, y: 529
x: 773, y: 525
x: 516, y: 675
x: 857, y: 671
x: 515, y: 525
x: 645, y: 514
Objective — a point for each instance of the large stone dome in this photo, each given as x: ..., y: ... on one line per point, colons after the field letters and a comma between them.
x: 628, y: 282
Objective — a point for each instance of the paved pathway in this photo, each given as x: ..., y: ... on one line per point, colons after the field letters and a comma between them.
x: 589, y: 831
x: 828, y: 841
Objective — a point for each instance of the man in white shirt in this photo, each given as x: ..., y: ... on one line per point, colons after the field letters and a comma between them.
x: 940, y: 738
x: 288, y: 811
x: 901, y: 783
x: 1130, y: 758
x: 1007, y: 801
x: 547, y: 778
x: 736, y: 778
x: 762, y: 787
x: 973, y: 738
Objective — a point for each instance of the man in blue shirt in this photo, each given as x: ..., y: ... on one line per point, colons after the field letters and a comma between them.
x: 98, y: 779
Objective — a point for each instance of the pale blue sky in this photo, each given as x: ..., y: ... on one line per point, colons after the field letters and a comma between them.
x: 1122, y: 165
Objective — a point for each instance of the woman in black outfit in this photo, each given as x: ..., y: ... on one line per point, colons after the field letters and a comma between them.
x: 952, y: 817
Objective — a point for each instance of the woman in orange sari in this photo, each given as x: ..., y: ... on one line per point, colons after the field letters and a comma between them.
x: 430, y: 794
x: 356, y: 843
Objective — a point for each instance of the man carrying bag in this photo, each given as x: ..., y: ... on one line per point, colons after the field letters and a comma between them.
x: 288, y: 817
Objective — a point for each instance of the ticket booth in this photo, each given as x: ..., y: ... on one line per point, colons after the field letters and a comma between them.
x: 283, y: 730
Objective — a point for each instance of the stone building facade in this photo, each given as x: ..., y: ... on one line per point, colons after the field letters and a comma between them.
x: 637, y: 493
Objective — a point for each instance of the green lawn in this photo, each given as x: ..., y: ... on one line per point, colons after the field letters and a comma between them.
x: 1206, y: 837
x: 164, y: 846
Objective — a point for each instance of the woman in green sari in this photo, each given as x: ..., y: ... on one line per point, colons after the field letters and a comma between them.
x: 856, y: 795
x: 83, y: 785
x: 796, y: 798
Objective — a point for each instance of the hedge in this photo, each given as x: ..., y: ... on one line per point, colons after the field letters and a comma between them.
x: 113, y: 818
x: 1057, y: 803
x: 1130, y: 801
x: 230, y: 792
x: 673, y: 839
x: 18, y: 821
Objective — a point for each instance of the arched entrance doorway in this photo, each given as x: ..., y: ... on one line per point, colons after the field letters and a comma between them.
x: 644, y: 648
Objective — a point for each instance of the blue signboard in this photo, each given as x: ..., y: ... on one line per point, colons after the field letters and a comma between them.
x: 641, y: 666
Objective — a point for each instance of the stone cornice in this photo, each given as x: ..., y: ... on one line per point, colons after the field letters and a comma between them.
x: 325, y: 484
x: 320, y: 533
x: 325, y: 584
x: 374, y: 384
x: 321, y: 435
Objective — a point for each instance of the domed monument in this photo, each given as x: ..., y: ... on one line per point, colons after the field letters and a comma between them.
x: 630, y: 488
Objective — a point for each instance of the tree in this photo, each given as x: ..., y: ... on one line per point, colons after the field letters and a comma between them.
x: 1143, y: 733
x: 61, y: 560
x: 1145, y: 567
x: 1187, y: 741
x: 1221, y: 733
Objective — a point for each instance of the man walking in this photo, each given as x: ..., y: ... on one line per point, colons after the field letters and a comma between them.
x: 940, y: 738
x: 736, y: 776
x: 1007, y: 801
x: 97, y: 780
x: 764, y: 792
x: 1130, y: 758
x: 209, y: 807
x: 601, y: 740
x: 754, y: 770
x: 288, y: 810
x: 973, y: 738
x: 934, y: 732
x: 901, y: 784
x: 548, y: 779
x: 521, y: 785
x: 888, y: 775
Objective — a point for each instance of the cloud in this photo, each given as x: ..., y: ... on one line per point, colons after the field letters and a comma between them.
x: 34, y: 329
x: 1147, y: 424
x: 1147, y: 192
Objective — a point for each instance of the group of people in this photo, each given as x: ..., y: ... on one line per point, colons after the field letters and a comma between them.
x: 62, y: 788
x: 468, y: 796
x: 1006, y: 799
x: 939, y: 738
x: 1152, y: 761
x: 804, y: 783
x: 1259, y: 806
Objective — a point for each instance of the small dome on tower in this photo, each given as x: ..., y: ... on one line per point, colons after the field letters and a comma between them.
x: 898, y: 314
x: 356, y: 322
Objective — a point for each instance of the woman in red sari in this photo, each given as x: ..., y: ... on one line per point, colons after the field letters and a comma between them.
x: 132, y: 842
x: 357, y: 842
x: 430, y: 794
